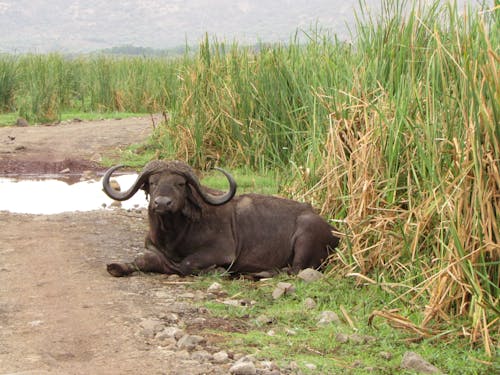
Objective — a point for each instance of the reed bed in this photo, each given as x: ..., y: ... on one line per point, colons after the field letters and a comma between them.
x: 395, y: 136
x: 41, y: 87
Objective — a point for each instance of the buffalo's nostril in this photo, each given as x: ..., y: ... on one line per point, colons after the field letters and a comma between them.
x: 162, y: 202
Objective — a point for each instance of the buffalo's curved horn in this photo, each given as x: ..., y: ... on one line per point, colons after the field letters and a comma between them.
x: 118, y: 195
x: 214, y: 200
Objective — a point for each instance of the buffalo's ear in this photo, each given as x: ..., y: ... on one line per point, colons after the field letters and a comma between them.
x: 192, y: 207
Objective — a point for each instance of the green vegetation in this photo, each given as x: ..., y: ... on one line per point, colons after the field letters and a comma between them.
x: 394, y: 137
x: 286, y: 330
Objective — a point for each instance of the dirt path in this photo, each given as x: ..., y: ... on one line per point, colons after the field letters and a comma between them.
x: 60, y: 312
x: 76, y: 145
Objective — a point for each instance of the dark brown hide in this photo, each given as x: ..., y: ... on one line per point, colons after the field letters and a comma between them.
x: 193, y: 228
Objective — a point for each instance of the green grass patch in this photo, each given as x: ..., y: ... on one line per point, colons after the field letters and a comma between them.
x: 294, y: 335
x: 248, y: 181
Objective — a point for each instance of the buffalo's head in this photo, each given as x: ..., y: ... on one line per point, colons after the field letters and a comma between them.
x: 170, y: 187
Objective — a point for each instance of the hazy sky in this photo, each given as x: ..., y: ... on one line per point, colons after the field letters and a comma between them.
x: 85, y: 25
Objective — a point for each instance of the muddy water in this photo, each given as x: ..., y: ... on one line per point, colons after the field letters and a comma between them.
x: 51, y: 196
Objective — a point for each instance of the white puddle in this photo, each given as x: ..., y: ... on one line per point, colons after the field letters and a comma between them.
x: 51, y: 196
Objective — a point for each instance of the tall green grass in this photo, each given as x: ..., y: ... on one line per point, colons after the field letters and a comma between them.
x: 41, y: 87
x: 396, y: 135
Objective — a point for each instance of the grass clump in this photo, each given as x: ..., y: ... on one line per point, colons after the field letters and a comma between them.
x: 290, y: 331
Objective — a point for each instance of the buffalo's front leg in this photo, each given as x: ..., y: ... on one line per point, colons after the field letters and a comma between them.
x: 146, y: 262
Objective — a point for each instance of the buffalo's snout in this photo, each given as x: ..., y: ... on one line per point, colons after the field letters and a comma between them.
x: 162, y: 204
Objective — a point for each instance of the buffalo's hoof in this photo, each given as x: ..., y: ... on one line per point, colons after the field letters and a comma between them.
x: 118, y: 269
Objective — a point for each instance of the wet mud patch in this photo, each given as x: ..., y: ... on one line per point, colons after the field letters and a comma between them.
x: 13, y: 167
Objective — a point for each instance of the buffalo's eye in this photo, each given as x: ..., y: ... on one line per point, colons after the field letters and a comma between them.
x: 181, y: 184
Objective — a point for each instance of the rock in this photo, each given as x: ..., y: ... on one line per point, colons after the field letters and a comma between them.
x: 116, y: 204
x: 342, y: 338
x: 64, y: 171
x: 232, y: 302
x: 328, y: 317
x: 309, y: 303
x: 190, y: 342
x: 201, y: 356
x: 150, y: 327
x: 385, y: 355
x: 173, y: 332
x: 283, y: 288
x: 414, y: 362
x: 170, y: 317
x: 216, y: 289
x: 198, y: 320
x: 310, y: 366
x: 220, y: 357
x: 182, y: 354
x: 290, y: 332
x: 356, y: 339
x: 243, y: 368
x: 165, y: 340
x: 309, y: 275
x: 22, y: 122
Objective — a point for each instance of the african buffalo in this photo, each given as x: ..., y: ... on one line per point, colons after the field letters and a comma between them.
x: 194, y: 228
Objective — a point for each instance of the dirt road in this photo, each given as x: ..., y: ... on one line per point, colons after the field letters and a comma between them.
x: 60, y: 311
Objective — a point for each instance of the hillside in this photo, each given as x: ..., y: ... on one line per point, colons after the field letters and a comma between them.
x: 83, y: 26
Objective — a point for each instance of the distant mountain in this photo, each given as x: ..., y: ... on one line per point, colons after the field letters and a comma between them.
x: 88, y: 25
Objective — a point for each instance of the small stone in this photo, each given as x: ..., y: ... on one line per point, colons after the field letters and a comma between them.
x: 173, y: 332
x: 116, y: 204
x: 182, y: 354
x: 310, y: 366
x: 385, y: 355
x: 150, y: 327
x: 290, y: 332
x: 309, y: 303
x: 201, y: 356
x: 271, y: 332
x: 413, y: 361
x: 358, y: 364
x: 264, y: 319
x: 309, y: 275
x: 328, y: 317
x: 278, y: 292
x: 283, y: 288
x: 342, y: 338
x: 220, y: 357
x: 243, y: 368
x: 20, y: 148
x: 171, y: 318
x: 356, y: 339
x: 216, y: 289
x: 64, y: 171
x: 190, y: 342
x: 198, y: 320
x: 165, y: 340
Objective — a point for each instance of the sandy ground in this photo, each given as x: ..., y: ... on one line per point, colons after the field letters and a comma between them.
x: 60, y: 311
